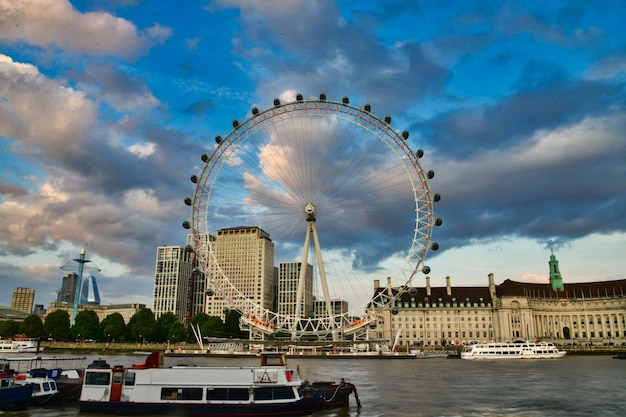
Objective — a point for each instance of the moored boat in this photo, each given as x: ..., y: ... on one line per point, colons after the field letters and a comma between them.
x: 13, y: 396
x: 525, y: 350
x: 44, y: 389
x: 149, y: 388
x: 20, y: 345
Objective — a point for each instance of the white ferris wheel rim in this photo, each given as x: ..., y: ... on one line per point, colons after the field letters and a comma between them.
x: 207, y: 183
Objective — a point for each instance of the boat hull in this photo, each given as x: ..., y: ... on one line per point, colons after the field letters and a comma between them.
x: 16, y: 397
x: 304, y: 406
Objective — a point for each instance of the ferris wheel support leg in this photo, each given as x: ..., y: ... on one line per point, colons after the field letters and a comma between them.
x: 318, y: 252
x: 301, y: 280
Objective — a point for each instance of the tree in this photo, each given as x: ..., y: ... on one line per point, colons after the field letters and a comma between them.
x: 214, y: 326
x: 142, y: 326
x: 9, y: 328
x: 231, y: 324
x: 164, y: 323
x: 177, y: 332
x: 57, y: 325
x: 86, y: 325
x: 113, y: 327
x: 32, y: 326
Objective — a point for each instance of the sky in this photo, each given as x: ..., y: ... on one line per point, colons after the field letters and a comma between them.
x: 107, y: 105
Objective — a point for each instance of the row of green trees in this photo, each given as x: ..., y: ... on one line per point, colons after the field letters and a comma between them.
x: 142, y: 327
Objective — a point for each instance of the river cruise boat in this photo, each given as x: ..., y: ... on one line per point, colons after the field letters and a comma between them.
x: 525, y: 350
x: 270, y: 389
x: 20, y: 345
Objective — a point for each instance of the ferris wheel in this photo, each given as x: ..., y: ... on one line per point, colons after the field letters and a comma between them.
x: 341, y: 194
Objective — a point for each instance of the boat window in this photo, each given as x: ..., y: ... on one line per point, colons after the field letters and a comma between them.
x: 273, y: 393
x: 227, y: 394
x: 117, y: 378
x: 181, y: 393
x: 46, y: 386
x: 129, y: 379
x: 36, y: 388
x: 97, y: 378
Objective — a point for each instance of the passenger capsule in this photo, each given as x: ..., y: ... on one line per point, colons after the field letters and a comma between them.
x: 426, y: 270
x: 276, y: 102
x: 218, y: 139
x: 438, y: 221
x: 188, y: 201
x: 367, y: 108
x: 194, y: 179
x: 255, y: 111
x: 209, y: 292
x: 204, y: 157
x: 186, y: 225
x: 395, y: 310
x: 235, y: 124
x: 388, y: 119
x: 346, y: 100
x: 419, y: 153
x: 405, y: 135
x: 436, y: 198
x: 434, y: 246
x: 323, y: 97
x: 299, y: 97
x: 431, y: 175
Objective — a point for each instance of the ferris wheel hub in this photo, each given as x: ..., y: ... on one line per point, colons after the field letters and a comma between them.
x: 309, y: 210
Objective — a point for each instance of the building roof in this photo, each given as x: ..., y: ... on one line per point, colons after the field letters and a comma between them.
x: 598, y: 289
x: 7, y: 313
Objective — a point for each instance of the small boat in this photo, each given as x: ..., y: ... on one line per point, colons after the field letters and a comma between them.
x: 525, y: 350
x: 270, y: 389
x: 44, y: 389
x: 20, y: 345
x: 620, y: 356
x: 333, y: 395
x: 13, y: 396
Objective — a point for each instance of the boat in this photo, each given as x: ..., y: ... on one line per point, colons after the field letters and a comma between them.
x: 65, y: 372
x: 524, y: 350
x: 270, y: 389
x: 620, y: 356
x: 20, y: 345
x: 13, y: 397
x: 44, y: 389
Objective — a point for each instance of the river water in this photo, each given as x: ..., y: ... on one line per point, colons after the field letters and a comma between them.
x: 440, y: 387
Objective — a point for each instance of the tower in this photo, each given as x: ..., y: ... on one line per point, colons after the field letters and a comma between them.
x: 90, y: 293
x: 556, y: 281
x: 172, y: 279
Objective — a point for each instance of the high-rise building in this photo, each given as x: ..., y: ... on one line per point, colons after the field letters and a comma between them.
x: 23, y: 299
x: 68, y: 288
x: 246, y: 257
x: 198, y: 279
x: 288, y: 279
x: 172, y: 281
x: 337, y: 306
x: 89, y: 293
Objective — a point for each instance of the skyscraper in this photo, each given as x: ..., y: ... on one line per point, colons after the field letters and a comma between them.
x: 172, y: 281
x: 89, y: 293
x: 288, y: 278
x: 68, y: 288
x: 23, y: 299
x: 245, y: 255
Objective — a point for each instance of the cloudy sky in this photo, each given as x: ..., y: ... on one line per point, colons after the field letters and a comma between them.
x: 106, y: 105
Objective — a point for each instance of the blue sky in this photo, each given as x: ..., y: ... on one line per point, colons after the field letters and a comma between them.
x: 105, y: 107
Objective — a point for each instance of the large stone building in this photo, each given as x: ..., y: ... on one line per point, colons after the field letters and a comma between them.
x: 246, y: 256
x: 577, y: 313
x: 288, y: 282
x: 126, y: 310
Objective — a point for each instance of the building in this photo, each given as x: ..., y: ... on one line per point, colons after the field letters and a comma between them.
x: 23, y: 299
x: 172, y: 281
x: 338, y: 308
x: 287, y: 287
x: 89, y: 293
x: 577, y: 313
x: 68, y: 288
x: 198, y: 282
x: 245, y: 255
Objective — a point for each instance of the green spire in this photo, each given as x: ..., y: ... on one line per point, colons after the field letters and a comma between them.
x: 556, y: 281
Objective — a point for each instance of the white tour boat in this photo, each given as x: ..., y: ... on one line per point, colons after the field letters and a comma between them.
x: 525, y: 350
x: 20, y: 345
x: 149, y: 388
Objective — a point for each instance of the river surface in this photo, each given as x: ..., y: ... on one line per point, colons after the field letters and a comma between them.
x: 440, y: 387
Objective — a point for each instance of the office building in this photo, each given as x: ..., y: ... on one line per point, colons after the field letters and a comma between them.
x: 245, y: 255
x: 286, y: 294
x: 23, y: 299
x: 172, y: 281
